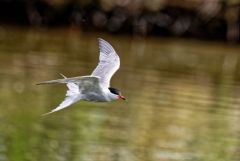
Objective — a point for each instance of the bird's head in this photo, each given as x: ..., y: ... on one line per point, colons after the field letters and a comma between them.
x: 117, y: 93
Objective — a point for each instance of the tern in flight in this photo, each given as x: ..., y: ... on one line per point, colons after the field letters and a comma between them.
x: 95, y: 87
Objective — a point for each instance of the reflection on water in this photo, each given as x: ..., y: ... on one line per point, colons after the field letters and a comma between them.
x: 183, y: 99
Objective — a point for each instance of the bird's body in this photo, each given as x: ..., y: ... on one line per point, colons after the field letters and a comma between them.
x: 95, y: 87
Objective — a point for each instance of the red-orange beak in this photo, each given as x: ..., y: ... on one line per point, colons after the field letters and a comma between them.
x: 121, y: 97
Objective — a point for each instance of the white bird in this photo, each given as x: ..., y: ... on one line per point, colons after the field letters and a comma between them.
x: 95, y: 87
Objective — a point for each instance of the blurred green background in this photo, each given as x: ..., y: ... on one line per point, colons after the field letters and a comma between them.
x: 180, y: 73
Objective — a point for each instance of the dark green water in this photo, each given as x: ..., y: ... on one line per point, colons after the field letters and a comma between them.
x: 182, y: 99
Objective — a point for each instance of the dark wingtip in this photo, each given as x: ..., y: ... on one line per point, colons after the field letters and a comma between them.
x: 41, y: 83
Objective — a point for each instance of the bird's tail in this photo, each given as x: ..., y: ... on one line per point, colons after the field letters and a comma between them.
x: 63, y: 76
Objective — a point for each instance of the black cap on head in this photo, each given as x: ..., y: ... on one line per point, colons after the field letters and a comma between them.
x: 114, y: 91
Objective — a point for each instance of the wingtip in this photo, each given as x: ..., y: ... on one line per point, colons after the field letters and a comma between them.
x: 41, y: 83
x: 48, y: 113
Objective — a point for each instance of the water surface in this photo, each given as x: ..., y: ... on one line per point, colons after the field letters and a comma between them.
x: 182, y: 99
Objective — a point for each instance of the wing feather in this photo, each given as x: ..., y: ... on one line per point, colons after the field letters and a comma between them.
x: 72, y: 96
x: 109, y: 63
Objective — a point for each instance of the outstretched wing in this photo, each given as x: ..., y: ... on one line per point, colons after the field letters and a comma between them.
x: 109, y: 63
x: 79, y: 79
x: 73, y: 95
